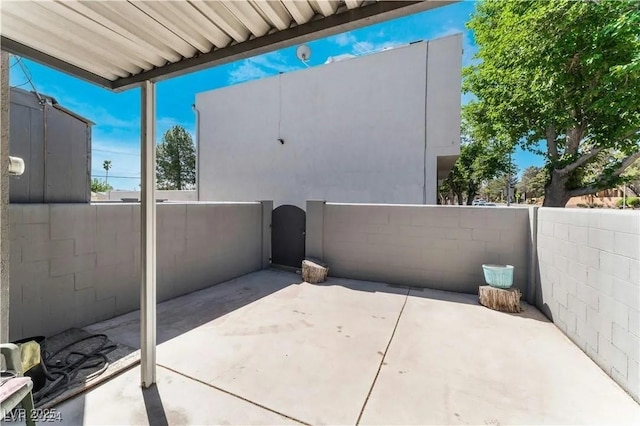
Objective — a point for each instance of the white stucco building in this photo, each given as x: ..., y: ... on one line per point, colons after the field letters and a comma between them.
x: 381, y: 128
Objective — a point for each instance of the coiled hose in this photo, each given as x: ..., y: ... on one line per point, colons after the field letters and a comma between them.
x: 61, y: 373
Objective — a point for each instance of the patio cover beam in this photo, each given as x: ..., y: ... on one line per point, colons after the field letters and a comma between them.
x: 20, y: 49
x: 305, y: 28
x: 318, y: 28
x: 148, y: 236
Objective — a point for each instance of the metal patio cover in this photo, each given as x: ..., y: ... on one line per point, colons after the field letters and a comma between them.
x: 119, y: 44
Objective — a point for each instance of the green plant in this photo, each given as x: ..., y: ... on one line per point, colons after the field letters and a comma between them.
x: 633, y: 202
x: 100, y: 186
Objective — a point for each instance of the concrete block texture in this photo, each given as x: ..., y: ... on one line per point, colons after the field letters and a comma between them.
x: 588, y: 266
x: 76, y: 264
x: 441, y: 247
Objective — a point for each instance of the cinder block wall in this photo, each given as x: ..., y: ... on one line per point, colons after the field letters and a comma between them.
x: 171, y: 195
x: 441, y: 247
x: 589, y: 285
x: 76, y: 264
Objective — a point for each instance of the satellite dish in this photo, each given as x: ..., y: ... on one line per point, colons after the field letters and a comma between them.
x: 303, y: 53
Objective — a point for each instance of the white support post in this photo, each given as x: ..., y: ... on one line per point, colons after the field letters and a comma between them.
x: 4, y: 197
x: 148, y: 235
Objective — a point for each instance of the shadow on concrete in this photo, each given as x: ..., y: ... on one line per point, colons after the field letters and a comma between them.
x: 154, y: 407
x: 540, y: 295
x: 529, y: 311
x: 184, y: 313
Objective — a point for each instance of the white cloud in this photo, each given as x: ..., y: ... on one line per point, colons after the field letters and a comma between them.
x: 100, y: 115
x: 449, y: 31
x: 261, y: 66
x: 246, y: 71
x: 362, y: 47
x: 165, y: 123
x: 344, y: 39
x: 379, y: 40
x: 359, y: 47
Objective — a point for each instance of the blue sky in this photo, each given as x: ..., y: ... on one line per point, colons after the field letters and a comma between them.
x: 116, y: 135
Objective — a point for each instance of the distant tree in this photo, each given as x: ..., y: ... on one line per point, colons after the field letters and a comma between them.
x: 176, y: 160
x: 100, y: 186
x: 564, y: 72
x: 445, y: 194
x: 106, y: 165
x: 495, y: 189
x: 532, y: 182
x: 481, y: 158
x: 632, y: 178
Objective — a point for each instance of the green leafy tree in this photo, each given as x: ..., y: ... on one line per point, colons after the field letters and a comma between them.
x: 100, y: 186
x: 493, y: 190
x: 481, y: 158
x: 176, y: 160
x: 496, y: 189
x: 532, y: 182
x: 565, y: 73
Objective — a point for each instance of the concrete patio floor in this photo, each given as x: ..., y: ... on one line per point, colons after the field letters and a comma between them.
x: 266, y: 348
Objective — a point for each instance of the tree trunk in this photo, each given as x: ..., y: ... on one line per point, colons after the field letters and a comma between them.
x: 556, y: 193
x: 472, y: 191
x: 470, y: 196
x: 460, y: 198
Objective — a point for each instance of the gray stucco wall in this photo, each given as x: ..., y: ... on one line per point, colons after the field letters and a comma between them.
x: 367, y: 129
x: 441, y: 247
x: 76, y: 264
x: 589, y: 284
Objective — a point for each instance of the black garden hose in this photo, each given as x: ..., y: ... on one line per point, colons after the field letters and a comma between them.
x: 61, y: 373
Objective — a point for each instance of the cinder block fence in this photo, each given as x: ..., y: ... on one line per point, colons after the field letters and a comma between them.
x: 72, y: 265
x: 76, y: 264
x: 589, y: 284
x: 441, y: 247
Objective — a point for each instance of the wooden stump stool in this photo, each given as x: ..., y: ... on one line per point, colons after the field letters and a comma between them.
x: 314, y: 271
x: 500, y: 299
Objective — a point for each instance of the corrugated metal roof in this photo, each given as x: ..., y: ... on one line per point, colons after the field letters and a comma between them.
x: 118, y: 44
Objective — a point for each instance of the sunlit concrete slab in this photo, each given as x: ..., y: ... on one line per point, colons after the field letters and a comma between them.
x: 310, y: 351
x: 175, y: 400
x: 452, y: 361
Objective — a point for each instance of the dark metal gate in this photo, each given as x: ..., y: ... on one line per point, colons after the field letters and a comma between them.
x: 288, y: 236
